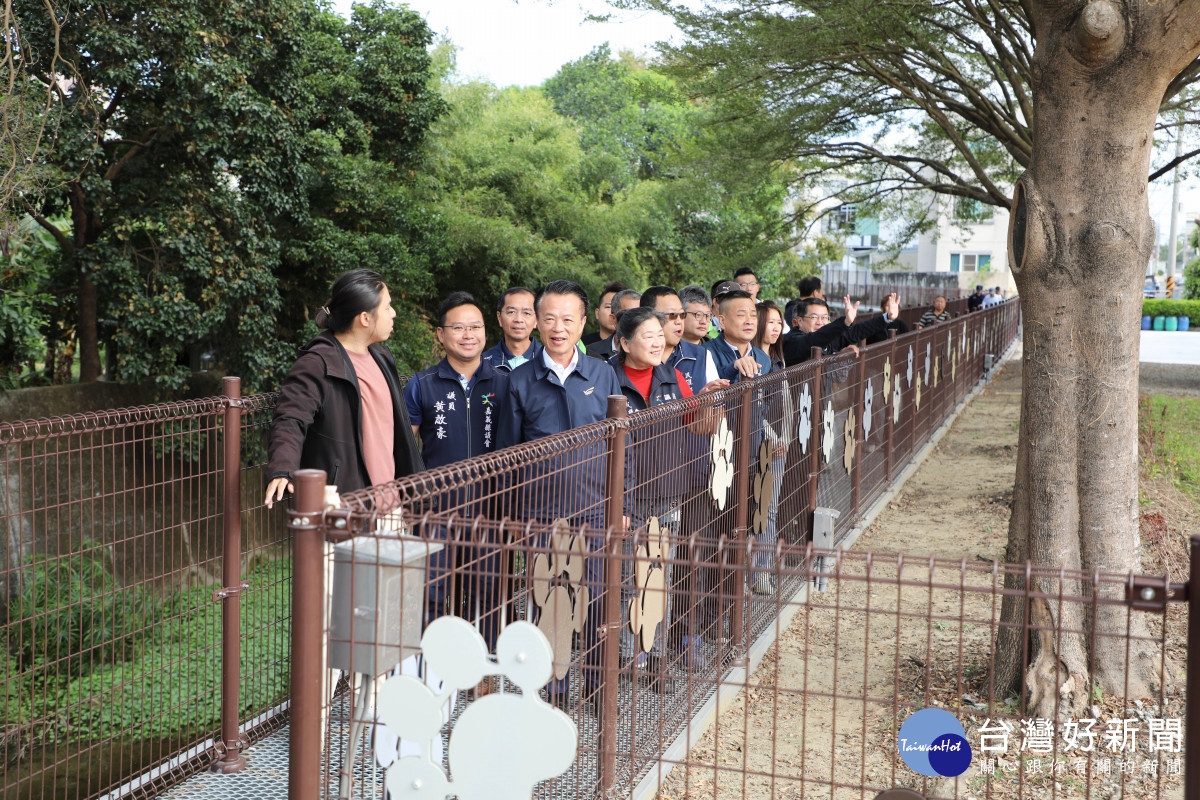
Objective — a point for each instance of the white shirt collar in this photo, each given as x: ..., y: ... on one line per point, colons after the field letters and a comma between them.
x: 735, y: 349
x: 559, y: 370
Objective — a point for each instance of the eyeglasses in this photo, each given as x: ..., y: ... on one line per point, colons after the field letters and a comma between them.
x: 459, y: 330
x: 699, y: 316
x: 674, y: 316
x: 748, y: 286
x: 817, y: 317
x: 513, y: 313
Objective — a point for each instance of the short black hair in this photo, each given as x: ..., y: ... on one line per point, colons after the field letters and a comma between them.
x: 503, y: 301
x: 808, y: 302
x: 612, y: 287
x: 740, y: 271
x: 628, y: 322
x: 738, y: 295
x: 561, y: 287
x: 453, y: 301
x: 809, y: 285
x: 791, y: 311
x: 651, y: 295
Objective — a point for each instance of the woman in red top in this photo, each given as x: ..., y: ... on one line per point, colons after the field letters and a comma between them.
x: 657, y: 464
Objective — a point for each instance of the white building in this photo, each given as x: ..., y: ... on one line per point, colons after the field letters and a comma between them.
x: 970, y: 239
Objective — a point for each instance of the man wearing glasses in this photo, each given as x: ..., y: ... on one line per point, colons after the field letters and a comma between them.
x: 693, y: 361
x: 697, y: 310
x: 747, y: 281
x: 517, y: 320
x: 455, y: 408
x: 815, y: 329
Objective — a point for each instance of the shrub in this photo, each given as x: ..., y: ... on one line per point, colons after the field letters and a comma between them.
x: 1173, y: 308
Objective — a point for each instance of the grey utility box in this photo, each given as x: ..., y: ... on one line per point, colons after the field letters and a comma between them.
x: 823, y: 520
x: 378, y: 602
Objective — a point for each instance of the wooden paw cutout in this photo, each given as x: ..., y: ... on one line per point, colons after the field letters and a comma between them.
x: 763, y: 488
x: 848, y: 452
x: 647, y: 608
x: 556, y: 583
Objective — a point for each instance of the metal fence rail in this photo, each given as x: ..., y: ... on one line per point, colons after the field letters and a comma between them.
x: 149, y: 594
x: 653, y: 550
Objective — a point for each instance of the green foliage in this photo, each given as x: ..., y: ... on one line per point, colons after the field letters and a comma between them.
x: 1173, y: 308
x: 1191, y: 276
x: 252, y: 150
x: 155, y: 660
x: 27, y: 303
x: 1170, y: 425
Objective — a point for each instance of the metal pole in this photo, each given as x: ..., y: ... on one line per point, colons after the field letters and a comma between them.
x: 814, y: 436
x: 1191, y: 767
x: 1173, y: 242
x: 741, y: 516
x: 230, y: 748
x: 614, y: 519
x: 308, y: 595
x: 860, y: 439
x: 887, y: 411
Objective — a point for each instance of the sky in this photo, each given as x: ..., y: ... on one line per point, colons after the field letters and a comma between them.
x: 524, y: 43
x: 508, y: 42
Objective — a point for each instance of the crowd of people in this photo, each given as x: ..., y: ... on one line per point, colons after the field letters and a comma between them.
x: 342, y: 409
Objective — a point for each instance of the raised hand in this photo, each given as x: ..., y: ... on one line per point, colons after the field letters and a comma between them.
x: 851, y: 310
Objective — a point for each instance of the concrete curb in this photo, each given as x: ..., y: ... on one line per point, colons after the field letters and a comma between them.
x: 737, y: 678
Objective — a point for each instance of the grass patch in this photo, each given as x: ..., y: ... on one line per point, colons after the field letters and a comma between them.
x: 159, y: 675
x: 1167, y: 426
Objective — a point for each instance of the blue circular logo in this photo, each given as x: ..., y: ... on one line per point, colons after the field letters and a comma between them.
x: 932, y: 742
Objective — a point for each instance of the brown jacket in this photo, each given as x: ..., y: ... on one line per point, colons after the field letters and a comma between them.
x: 317, y: 423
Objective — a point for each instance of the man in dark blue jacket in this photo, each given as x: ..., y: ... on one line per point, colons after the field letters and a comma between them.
x: 455, y: 407
x: 517, y: 319
x: 734, y: 355
x: 560, y: 390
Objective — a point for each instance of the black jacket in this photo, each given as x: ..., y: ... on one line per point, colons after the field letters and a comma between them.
x: 317, y: 422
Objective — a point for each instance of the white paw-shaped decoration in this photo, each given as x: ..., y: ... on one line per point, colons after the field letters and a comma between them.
x: 502, y: 745
x: 804, y: 427
x: 827, y: 431
x: 910, y: 366
x: 917, y: 396
x: 896, y: 404
x: 868, y: 405
x: 887, y: 380
x: 928, y: 360
x: 722, y: 464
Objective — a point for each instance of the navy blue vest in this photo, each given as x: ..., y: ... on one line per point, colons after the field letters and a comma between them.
x: 455, y: 426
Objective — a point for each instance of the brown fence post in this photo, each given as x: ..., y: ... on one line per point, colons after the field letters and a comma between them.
x: 308, y: 597
x: 741, y: 526
x: 614, y: 519
x: 231, y: 759
x: 860, y: 439
x: 888, y: 411
x: 1191, y: 767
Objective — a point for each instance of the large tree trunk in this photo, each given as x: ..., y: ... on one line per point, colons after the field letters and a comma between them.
x: 1080, y: 239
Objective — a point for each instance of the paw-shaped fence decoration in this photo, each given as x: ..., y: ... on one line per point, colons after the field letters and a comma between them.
x: 763, y: 488
x: 848, y: 451
x: 896, y: 404
x: 827, y: 431
x: 868, y: 407
x: 556, y: 581
x: 910, y: 366
x: 502, y: 745
x: 722, y: 464
x: 887, y: 380
x: 804, y: 427
x: 917, y: 396
x: 954, y: 366
x: 937, y: 370
x: 647, y: 608
x: 928, y: 360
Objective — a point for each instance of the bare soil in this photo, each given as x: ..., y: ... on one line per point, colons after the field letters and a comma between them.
x: 819, y: 717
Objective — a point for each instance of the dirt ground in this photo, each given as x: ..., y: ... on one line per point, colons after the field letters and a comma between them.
x: 890, y: 636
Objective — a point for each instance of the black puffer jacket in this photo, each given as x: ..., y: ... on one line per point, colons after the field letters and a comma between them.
x: 318, y: 425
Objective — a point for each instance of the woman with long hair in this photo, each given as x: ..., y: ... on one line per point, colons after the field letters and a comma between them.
x: 340, y: 407
x: 776, y: 430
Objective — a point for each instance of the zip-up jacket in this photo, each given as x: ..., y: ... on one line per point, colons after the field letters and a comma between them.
x: 500, y: 355
x: 657, y: 447
x: 570, y: 485
x: 455, y: 424
x: 318, y: 420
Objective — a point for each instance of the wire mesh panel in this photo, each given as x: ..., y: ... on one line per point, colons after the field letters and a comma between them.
x: 111, y: 632
x: 891, y: 678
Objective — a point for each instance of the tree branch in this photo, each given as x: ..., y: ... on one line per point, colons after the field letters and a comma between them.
x: 113, y: 171
x: 63, y: 241
x: 1172, y: 164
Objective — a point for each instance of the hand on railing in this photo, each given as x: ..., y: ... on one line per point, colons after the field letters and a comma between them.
x: 275, y: 490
